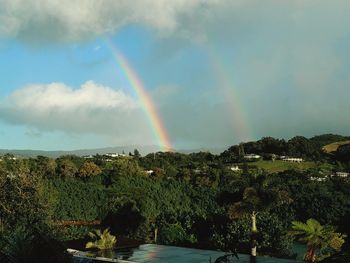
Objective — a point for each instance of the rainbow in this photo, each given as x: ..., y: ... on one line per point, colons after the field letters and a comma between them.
x: 229, y: 91
x: 147, y: 104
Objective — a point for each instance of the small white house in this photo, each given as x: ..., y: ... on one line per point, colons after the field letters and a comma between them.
x: 113, y: 155
x: 252, y: 156
x: 319, y: 179
x: 342, y: 174
x: 235, y: 168
x: 292, y: 159
x: 149, y: 172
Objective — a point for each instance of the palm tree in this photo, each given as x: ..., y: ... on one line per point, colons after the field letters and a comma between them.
x: 103, y: 241
x: 249, y: 205
x: 317, y: 237
x: 257, y: 197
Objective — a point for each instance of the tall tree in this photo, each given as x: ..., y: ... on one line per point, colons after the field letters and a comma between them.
x: 257, y: 197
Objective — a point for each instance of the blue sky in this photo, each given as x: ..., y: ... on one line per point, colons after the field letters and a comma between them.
x: 285, y: 68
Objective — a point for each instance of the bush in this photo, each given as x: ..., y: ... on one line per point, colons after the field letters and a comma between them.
x: 26, y: 246
x: 175, y: 234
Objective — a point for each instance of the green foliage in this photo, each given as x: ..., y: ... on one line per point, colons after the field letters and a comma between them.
x: 66, y: 168
x: 175, y: 234
x: 33, y: 244
x: 316, y: 237
x: 280, y: 166
x: 77, y: 200
x: 271, y: 238
x: 74, y: 232
x: 101, y: 240
x: 89, y: 169
x: 24, y: 199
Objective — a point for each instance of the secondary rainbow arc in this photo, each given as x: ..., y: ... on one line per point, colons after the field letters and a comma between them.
x: 232, y: 100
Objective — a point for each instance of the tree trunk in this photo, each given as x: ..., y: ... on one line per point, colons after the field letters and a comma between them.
x: 254, y: 232
x: 310, y: 255
x: 156, y: 235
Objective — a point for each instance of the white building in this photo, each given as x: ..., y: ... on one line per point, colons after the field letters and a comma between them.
x: 114, y: 155
x: 149, y: 172
x: 342, y: 174
x: 235, y: 168
x: 252, y: 156
x: 292, y: 159
x: 319, y: 179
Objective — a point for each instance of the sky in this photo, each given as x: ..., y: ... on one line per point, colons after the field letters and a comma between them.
x: 212, y: 73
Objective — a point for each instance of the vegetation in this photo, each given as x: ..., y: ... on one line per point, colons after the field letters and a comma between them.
x: 280, y: 166
x: 102, y: 240
x: 317, y: 237
x: 191, y: 200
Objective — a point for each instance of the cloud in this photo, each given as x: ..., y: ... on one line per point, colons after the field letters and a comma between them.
x: 43, y: 21
x: 91, y: 109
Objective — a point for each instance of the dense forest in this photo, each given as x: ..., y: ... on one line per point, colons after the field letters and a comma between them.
x: 193, y: 200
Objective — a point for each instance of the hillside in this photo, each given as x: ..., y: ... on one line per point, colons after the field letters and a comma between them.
x: 332, y: 147
x: 280, y: 166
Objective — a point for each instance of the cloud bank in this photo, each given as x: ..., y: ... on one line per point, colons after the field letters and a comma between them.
x: 91, y: 109
x: 53, y: 21
x: 74, y: 20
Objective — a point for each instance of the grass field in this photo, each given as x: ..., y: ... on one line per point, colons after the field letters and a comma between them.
x: 279, y: 166
x: 330, y: 148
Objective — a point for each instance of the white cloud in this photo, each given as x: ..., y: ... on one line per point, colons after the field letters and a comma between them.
x: 58, y: 96
x: 91, y: 109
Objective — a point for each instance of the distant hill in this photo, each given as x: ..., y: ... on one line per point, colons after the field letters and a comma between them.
x: 119, y: 149
x: 325, y: 139
x: 216, y: 150
x: 327, y: 142
x: 54, y: 154
x: 333, y: 147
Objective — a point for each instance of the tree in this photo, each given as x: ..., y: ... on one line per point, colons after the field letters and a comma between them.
x: 66, y: 168
x: 137, y: 154
x: 343, y: 153
x: 24, y: 199
x: 257, y: 197
x: 249, y: 205
x: 89, y: 169
x: 317, y: 237
x: 103, y: 241
x: 43, y: 166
